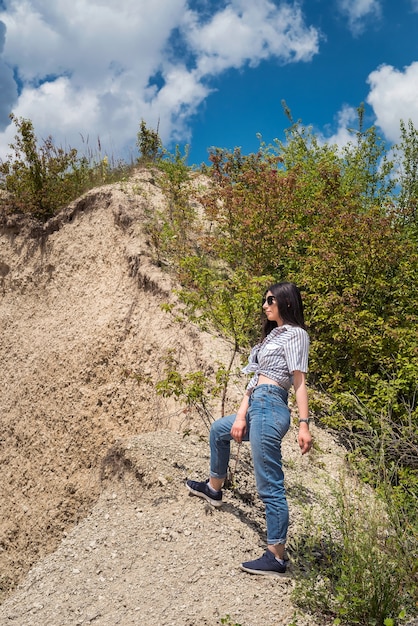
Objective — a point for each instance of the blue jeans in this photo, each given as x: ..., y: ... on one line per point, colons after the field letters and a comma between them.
x: 268, y: 420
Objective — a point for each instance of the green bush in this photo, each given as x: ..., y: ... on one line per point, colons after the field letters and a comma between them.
x: 292, y: 212
x: 357, y: 566
x: 42, y: 179
x: 149, y: 144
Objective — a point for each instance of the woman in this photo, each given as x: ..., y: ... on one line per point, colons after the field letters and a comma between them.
x: 263, y: 418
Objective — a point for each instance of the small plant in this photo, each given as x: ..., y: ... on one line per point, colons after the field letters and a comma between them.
x: 140, y: 377
x: 228, y: 621
x: 349, y: 570
x: 192, y: 388
x: 294, y: 621
x: 149, y: 144
x: 172, y: 229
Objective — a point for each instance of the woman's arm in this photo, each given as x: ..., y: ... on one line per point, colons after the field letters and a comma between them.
x: 304, y: 436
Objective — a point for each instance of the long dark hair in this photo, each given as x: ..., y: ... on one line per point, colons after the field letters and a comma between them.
x: 289, y: 302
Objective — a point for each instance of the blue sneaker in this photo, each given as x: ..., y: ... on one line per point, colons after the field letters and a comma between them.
x: 202, y: 490
x: 266, y: 565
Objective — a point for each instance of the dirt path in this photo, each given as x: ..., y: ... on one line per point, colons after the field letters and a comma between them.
x: 149, y: 554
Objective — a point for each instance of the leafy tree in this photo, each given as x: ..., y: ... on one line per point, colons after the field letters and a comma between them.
x: 305, y: 223
x: 149, y: 144
x: 172, y: 229
x: 407, y: 151
x: 367, y: 168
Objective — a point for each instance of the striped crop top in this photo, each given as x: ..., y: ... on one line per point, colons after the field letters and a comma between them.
x: 284, y: 350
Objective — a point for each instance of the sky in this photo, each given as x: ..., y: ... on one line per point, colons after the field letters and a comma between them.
x: 206, y: 73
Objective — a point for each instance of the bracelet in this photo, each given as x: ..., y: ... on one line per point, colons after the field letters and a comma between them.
x: 304, y: 421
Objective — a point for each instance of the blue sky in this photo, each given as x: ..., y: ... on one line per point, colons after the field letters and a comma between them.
x: 210, y: 72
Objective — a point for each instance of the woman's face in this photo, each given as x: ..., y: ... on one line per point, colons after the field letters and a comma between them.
x: 271, y: 309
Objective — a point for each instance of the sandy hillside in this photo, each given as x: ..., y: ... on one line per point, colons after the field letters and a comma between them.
x: 96, y: 525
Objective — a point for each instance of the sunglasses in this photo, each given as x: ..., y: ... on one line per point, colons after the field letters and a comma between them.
x: 270, y: 300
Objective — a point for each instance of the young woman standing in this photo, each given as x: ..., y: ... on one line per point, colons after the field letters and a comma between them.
x: 263, y: 418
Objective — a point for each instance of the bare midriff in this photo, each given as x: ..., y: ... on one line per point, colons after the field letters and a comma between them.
x: 265, y: 380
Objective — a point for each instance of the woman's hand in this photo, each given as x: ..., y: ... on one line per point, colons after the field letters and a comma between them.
x: 239, y: 428
x: 304, y: 438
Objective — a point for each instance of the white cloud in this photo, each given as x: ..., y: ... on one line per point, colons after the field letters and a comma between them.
x: 394, y: 96
x: 358, y: 12
x: 250, y: 32
x: 347, y: 119
x: 96, y: 67
x: 414, y: 4
x: 8, y: 89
